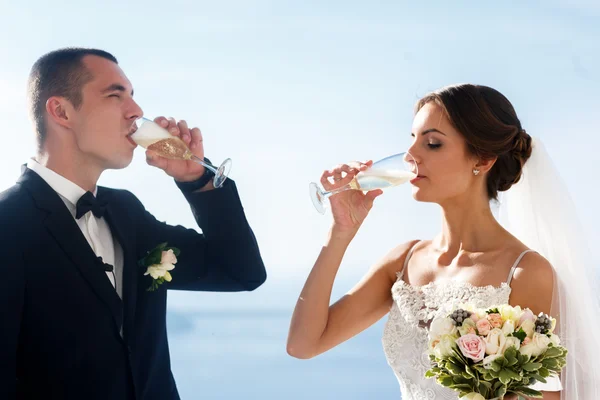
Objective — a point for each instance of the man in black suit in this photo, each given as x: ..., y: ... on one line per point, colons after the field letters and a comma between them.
x: 77, y: 318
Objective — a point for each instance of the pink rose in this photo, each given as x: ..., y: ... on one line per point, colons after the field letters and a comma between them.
x: 483, y: 326
x: 495, y: 320
x: 525, y: 342
x: 474, y: 317
x: 471, y: 346
x: 527, y: 315
x: 168, y: 257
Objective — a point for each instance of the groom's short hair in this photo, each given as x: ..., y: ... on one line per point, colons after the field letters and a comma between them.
x: 58, y: 73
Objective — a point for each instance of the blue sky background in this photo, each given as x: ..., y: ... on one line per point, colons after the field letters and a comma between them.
x: 287, y: 89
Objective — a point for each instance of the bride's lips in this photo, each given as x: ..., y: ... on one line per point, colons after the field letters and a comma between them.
x: 417, y: 179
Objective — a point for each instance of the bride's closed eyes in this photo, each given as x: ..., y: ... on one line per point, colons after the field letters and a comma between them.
x: 432, y: 143
x: 434, y: 146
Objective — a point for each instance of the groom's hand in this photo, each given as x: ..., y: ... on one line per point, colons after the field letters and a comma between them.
x: 180, y: 170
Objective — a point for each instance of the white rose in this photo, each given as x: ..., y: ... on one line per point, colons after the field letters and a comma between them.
x: 472, y: 396
x: 539, y: 344
x: 510, y: 313
x: 529, y: 327
x: 512, y: 341
x: 168, y: 257
x: 508, y: 327
x: 527, y: 314
x: 495, y: 342
x: 495, y: 345
x: 440, y: 327
x: 555, y: 340
x: 444, y: 347
x: 160, y: 271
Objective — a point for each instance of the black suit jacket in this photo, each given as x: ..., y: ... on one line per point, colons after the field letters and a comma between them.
x: 61, y: 317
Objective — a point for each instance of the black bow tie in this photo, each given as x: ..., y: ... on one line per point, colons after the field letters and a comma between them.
x: 88, y: 202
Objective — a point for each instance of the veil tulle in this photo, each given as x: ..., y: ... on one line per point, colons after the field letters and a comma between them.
x: 539, y: 211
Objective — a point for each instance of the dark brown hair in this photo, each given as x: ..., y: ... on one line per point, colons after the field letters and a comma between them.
x: 58, y: 73
x: 491, y: 128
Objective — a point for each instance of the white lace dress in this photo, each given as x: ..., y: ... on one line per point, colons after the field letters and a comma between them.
x: 405, y: 336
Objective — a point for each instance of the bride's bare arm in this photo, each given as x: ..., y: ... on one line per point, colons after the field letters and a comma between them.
x: 316, y: 326
x: 532, y: 287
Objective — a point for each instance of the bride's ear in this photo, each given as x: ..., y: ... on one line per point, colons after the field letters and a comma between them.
x: 483, y: 165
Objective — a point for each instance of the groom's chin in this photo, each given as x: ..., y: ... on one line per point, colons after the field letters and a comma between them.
x: 122, y: 163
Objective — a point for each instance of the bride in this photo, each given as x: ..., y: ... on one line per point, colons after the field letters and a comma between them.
x: 469, y: 145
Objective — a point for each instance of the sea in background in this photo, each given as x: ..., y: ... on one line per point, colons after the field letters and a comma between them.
x: 240, y: 354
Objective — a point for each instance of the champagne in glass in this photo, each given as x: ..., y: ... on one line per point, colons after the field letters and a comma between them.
x: 388, y: 172
x: 154, y: 137
x: 380, y: 179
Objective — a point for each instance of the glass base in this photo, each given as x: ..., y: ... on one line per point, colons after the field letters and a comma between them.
x: 317, y: 197
x: 222, y: 173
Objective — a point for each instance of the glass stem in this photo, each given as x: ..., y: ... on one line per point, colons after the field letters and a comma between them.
x: 338, y: 190
x: 202, y: 162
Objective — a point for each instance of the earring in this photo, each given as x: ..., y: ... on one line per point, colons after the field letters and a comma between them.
x: 475, y: 171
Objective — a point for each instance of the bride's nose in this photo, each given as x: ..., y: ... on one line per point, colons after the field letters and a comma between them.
x: 410, y: 159
x: 413, y: 152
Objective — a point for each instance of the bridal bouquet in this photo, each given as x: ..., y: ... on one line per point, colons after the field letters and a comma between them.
x: 485, y: 354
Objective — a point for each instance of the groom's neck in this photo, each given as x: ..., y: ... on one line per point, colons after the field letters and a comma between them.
x: 71, y: 166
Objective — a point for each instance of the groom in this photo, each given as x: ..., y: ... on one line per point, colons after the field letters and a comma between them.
x: 77, y: 320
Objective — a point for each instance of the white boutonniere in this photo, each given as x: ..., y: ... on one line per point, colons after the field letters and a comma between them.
x: 158, y: 262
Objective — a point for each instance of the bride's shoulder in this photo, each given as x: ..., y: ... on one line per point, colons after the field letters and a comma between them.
x: 396, y: 258
x: 533, y: 266
x: 533, y: 283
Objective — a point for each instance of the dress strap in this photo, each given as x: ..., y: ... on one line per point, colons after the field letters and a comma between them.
x: 516, y: 264
x: 401, y: 274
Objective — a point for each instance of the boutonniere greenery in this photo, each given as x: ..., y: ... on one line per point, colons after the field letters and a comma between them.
x: 158, y: 262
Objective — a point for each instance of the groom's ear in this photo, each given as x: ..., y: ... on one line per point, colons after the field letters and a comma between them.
x: 59, y: 110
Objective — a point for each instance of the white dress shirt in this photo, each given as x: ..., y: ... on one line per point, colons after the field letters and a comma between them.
x: 95, y: 230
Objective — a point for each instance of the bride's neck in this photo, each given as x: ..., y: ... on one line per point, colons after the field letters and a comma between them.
x: 467, y: 226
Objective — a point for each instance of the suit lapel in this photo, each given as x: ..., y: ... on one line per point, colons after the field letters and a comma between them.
x: 66, y: 232
x: 121, y: 226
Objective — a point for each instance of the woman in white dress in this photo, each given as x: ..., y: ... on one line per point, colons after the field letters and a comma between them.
x: 469, y: 145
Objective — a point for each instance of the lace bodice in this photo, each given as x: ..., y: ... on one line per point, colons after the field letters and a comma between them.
x: 405, y: 334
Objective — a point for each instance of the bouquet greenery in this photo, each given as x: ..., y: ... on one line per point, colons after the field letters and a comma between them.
x: 486, y: 354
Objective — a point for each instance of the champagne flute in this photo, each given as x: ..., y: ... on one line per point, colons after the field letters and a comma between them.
x: 388, y: 172
x: 154, y: 137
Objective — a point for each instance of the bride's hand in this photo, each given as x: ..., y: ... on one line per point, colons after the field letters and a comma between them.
x: 351, y: 207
